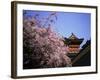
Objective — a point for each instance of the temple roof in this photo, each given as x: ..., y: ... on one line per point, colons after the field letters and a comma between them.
x: 83, y: 58
x: 73, y: 40
x: 72, y: 36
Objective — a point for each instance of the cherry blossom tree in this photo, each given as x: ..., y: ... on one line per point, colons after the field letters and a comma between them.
x: 42, y: 46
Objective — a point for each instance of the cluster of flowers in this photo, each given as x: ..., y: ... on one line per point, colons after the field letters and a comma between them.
x: 43, y: 48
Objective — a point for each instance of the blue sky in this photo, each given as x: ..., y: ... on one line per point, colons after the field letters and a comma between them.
x: 68, y: 22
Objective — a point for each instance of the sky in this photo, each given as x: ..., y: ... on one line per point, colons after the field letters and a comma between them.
x: 67, y: 23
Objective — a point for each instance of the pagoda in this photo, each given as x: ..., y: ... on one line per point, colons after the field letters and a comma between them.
x: 73, y: 44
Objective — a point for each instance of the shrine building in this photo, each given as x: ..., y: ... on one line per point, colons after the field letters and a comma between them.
x: 73, y: 44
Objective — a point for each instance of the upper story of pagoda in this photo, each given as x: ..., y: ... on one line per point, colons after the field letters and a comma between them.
x: 73, y: 43
x: 73, y: 40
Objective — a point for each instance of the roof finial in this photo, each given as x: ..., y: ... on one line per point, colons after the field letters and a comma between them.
x: 73, y: 36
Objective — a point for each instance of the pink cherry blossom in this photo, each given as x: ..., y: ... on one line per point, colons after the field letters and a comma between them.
x: 43, y: 48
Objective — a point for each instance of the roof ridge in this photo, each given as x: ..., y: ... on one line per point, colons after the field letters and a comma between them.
x: 73, y: 36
